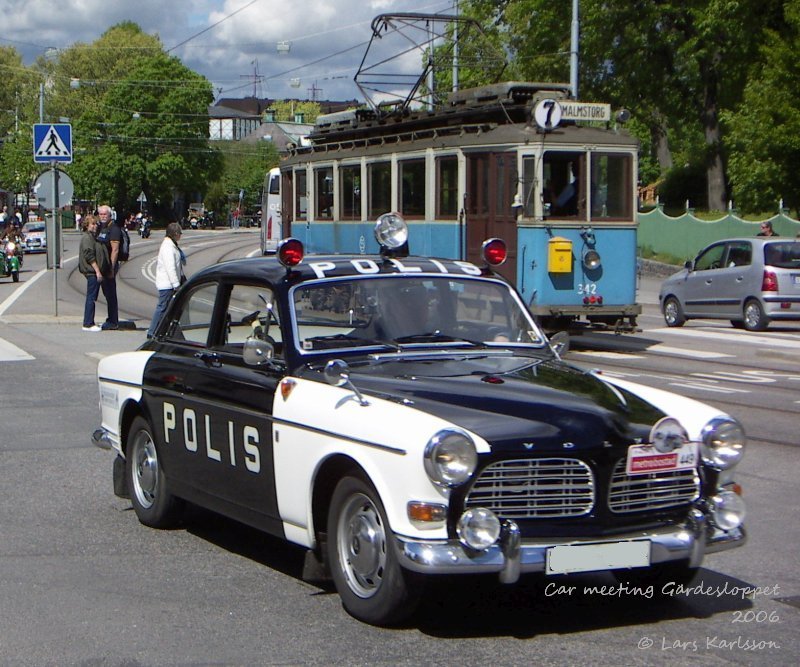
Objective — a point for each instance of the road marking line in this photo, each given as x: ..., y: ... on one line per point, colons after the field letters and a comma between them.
x: 607, y: 355
x: 682, y: 352
x: 10, y: 352
x: 738, y: 338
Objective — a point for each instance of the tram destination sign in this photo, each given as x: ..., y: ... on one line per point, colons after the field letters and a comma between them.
x: 585, y: 111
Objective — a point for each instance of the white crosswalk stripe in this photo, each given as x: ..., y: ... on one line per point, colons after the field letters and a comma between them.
x: 10, y: 352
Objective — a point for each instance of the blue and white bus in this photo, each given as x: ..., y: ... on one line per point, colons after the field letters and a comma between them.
x: 512, y: 160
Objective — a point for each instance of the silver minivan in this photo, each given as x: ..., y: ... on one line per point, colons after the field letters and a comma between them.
x: 749, y: 281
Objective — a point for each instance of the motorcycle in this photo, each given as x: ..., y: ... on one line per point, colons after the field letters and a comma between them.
x: 9, y: 262
x: 144, y: 230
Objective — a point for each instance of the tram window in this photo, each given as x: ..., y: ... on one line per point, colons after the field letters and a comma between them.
x: 563, y: 183
x: 412, y: 187
x: 323, y: 181
x: 528, y: 190
x: 301, y: 195
x: 380, y: 189
x: 350, y: 195
x: 446, y: 188
x: 610, y: 186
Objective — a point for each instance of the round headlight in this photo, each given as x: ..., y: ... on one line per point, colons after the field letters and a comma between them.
x: 727, y: 510
x: 668, y: 435
x: 723, y: 442
x: 478, y: 528
x: 591, y: 260
x: 450, y: 458
x: 391, y: 230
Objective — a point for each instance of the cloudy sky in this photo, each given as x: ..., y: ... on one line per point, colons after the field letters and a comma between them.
x: 231, y: 42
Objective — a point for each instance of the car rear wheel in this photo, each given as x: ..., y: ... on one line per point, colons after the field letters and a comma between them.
x: 673, y: 313
x: 737, y: 324
x: 754, y: 317
x: 371, y: 583
x: 152, y: 501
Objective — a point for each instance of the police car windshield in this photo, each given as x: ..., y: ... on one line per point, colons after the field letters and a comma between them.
x: 403, y: 312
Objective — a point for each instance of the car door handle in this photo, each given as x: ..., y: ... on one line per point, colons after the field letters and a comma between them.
x: 709, y: 281
x: 739, y: 279
x: 209, y: 358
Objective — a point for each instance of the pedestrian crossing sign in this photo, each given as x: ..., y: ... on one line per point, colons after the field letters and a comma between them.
x: 52, y: 142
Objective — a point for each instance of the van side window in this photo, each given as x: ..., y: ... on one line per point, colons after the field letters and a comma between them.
x: 739, y: 254
x: 710, y: 259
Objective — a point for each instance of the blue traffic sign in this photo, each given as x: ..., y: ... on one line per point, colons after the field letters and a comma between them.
x: 52, y: 142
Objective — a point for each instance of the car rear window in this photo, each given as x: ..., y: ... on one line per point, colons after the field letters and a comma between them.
x: 783, y: 254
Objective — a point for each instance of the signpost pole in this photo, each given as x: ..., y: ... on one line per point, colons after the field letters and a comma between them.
x: 54, y: 237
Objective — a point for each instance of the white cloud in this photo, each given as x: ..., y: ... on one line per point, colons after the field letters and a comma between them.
x: 227, y: 54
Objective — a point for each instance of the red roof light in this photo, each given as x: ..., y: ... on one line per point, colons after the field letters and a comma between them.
x: 290, y: 252
x: 494, y: 252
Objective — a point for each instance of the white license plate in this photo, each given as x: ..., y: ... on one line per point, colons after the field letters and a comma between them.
x: 796, y: 278
x: 595, y: 557
x: 644, y: 459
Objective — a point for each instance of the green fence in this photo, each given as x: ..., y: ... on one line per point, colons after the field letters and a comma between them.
x: 682, y: 237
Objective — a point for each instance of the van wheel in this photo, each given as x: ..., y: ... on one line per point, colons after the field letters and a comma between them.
x: 152, y: 501
x: 369, y: 579
x: 673, y: 313
x: 754, y: 317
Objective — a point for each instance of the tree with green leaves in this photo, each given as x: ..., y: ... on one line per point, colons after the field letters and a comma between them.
x: 763, y: 137
x: 676, y: 65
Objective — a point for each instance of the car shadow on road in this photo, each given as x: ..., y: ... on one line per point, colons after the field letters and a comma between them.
x: 539, y: 605
x: 479, y: 606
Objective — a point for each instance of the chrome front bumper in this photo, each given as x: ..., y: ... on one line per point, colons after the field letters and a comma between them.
x: 104, y: 439
x: 511, y: 556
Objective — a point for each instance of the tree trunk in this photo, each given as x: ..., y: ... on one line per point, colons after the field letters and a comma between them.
x: 660, y: 139
x: 715, y: 170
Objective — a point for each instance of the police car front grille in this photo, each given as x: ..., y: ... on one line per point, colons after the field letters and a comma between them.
x: 653, y: 491
x: 534, y: 489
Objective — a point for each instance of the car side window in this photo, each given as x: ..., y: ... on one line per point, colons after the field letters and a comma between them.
x: 252, y: 312
x: 711, y: 258
x: 193, y: 322
x: 739, y: 254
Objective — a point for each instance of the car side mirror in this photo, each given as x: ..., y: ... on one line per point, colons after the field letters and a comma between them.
x: 688, y: 264
x: 337, y: 374
x: 257, y: 352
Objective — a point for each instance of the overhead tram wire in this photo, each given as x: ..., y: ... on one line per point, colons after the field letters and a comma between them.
x: 205, y: 30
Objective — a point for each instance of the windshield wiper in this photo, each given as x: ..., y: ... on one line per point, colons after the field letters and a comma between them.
x: 337, y: 340
x: 436, y: 337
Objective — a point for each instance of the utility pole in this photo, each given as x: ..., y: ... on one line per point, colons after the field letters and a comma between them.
x: 573, y: 51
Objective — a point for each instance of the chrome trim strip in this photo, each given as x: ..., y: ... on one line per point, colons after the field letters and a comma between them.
x: 688, y: 541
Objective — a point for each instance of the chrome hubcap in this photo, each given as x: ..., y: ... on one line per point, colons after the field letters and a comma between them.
x: 752, y: 315
x: 361, y: 541
x: 671, y: 311
x: 145, y: 470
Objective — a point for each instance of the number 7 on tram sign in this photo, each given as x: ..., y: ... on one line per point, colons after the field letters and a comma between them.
x: 52, y: 142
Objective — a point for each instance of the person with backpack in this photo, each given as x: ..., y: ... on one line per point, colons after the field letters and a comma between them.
x: 117, y: 242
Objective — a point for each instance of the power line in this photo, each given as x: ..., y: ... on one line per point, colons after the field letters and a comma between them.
x: 205, y: 30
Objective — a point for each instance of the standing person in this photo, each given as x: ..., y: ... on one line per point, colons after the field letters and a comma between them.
x: 93, y: 263
x: 169, y: 272
x: 766, y: 229
x: 110, y: 235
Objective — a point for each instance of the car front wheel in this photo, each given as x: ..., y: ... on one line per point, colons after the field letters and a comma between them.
x: 152, y: 501
x: 673, y: 313
x: 754, y: 317
x: 371, y: 583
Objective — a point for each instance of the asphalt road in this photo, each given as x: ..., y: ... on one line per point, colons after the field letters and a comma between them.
x: 83, y: 583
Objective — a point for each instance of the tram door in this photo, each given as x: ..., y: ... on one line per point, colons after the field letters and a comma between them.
x: 491, y: 185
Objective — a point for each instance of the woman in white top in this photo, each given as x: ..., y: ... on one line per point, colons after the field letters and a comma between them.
x: 169, y: 272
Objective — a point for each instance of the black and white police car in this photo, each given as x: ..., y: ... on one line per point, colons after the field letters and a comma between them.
x: 402, y: 417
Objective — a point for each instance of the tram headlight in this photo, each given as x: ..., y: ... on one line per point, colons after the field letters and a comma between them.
x: 591, y: 259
